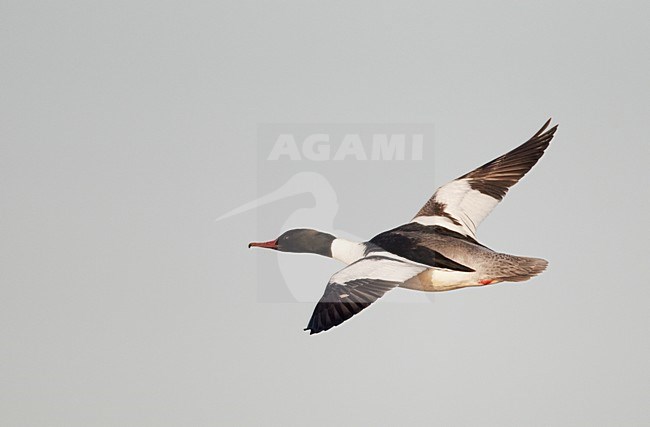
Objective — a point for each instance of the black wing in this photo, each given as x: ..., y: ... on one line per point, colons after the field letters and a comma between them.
x: 463, y: 203
x: 357, y: 286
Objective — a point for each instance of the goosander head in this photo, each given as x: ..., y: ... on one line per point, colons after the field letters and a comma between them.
x: 301, y: 240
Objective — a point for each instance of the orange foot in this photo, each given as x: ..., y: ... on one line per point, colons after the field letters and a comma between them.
x: 486, y: 281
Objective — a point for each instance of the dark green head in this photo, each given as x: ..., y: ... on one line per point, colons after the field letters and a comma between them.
x: 300, y: 240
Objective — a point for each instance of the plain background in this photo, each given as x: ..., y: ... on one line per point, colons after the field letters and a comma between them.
x: 127, y: 127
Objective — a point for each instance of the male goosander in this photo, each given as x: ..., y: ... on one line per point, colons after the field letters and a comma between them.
x: 436, y: 251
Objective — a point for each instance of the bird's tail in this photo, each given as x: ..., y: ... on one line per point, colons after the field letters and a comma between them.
x: 517, y: 268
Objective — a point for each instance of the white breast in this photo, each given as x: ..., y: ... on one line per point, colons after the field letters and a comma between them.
x: 436, y: 279
x: 347, y: 251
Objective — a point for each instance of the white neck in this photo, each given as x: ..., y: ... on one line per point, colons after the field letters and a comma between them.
x: 347, y: 251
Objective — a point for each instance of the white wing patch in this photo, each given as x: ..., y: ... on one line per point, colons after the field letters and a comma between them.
x: 468, y: 206
x: 376, y: 267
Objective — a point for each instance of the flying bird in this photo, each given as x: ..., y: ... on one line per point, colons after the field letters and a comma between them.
x: 436, y: 251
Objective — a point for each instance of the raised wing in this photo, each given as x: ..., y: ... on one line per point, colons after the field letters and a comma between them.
x: 358, y: 285
x: 463, y: 203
